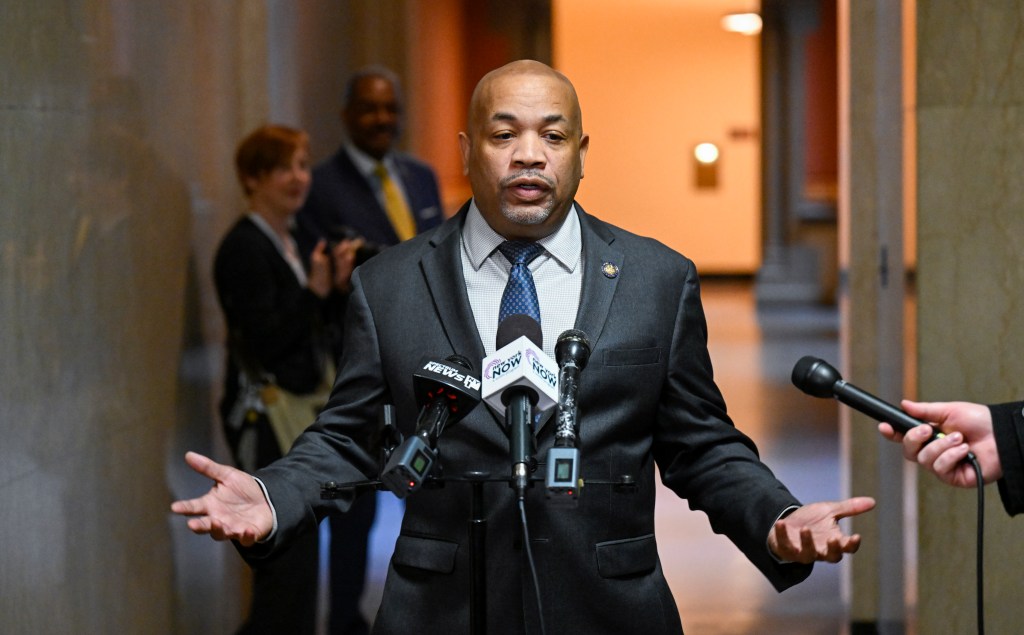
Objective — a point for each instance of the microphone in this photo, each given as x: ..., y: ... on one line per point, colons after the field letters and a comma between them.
x: 519, y: 381
x: 519, y: 361
x: 446, y: 391
x: 572, y: 351
x: 817, y: 378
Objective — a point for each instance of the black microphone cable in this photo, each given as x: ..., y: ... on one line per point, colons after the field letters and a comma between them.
x: 532, y: 565
x: 980, y: 563
x: 519, y: 402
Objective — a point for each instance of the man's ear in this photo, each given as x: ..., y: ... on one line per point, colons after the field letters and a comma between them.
x: 584, y: 146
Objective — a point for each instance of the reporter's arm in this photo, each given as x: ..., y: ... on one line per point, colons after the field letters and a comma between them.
x: 1008, y: 431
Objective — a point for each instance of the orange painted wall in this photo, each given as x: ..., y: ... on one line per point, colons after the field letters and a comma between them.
x: 439, y: 92
x: 656, y: 77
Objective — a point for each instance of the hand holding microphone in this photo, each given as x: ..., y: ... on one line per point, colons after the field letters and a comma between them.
x: 969, y: 433
x: 946, y: 459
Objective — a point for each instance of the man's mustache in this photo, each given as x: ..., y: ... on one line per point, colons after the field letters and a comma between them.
x: 527, y: 174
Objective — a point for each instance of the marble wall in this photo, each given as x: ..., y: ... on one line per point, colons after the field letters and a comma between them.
x: 117, y: 123
x: 970, y: 201
x: 871, y: 238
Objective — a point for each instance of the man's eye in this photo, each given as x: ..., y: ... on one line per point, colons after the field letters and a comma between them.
x: 503, y: 135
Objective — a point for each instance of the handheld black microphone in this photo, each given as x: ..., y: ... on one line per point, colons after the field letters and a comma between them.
x: 817, y: 378
x: 519, y: 380
x: 572, y: 351
x: 519, y: 402
x: 446, y: 391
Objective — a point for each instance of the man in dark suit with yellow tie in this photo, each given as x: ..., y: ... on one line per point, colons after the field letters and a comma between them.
x: 647, y: 400
x: 369, y: 189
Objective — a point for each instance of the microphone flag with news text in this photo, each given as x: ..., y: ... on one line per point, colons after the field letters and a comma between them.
x: 446, y: 391
x: 520, y: 382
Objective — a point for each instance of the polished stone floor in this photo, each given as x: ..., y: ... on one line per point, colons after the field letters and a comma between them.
x: 718, y: 591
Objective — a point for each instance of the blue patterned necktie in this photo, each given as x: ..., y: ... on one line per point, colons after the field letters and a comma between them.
x: 520, y: 294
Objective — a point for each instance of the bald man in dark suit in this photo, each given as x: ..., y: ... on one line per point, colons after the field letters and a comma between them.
x: 647, y: 400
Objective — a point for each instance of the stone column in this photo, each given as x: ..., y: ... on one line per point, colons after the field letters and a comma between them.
x: 795, y: 267
x: 872, y: 296
x: 970, y: 271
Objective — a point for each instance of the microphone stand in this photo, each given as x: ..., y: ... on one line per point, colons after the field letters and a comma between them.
x: 477, y: 525
x: 477, y: 555
x: 519, y: 402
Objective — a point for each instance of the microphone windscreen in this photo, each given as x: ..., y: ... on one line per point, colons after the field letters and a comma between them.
x: 461, y: 360
x: 517, y: 325
x: 815, y: 377
x: 572, y: 345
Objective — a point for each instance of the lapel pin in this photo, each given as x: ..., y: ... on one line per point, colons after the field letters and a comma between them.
x: 610, y: 270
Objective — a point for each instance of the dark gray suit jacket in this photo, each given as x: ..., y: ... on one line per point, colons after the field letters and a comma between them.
x: 647, y: 399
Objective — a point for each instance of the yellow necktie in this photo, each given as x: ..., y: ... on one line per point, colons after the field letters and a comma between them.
x: 395, y: 205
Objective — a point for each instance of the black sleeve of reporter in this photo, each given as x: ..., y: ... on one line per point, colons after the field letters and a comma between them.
x: 1008, y: 427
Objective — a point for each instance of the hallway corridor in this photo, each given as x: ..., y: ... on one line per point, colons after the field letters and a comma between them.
x: 718, y: 591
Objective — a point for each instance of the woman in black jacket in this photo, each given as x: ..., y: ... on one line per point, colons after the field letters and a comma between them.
x: 278, y: 311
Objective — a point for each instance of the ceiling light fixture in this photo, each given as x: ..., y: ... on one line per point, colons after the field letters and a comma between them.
x: 745, y: 23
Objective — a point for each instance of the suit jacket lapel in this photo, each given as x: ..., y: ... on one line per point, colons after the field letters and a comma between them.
x: 602, y: 262
x: 442, y: 272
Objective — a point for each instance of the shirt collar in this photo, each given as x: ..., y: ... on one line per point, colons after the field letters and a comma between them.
x: 365, y: 163
x: 565, y: 244
x: 289, y: 252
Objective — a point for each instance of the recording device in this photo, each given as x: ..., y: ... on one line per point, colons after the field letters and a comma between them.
x: 344, y: 232
x: 520, y: 382
x: 572, y: 351
x: 817, y: 378
x: 446, y: 391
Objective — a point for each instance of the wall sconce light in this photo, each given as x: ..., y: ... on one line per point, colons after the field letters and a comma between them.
x: 705, y: 165
x: 743, y: 23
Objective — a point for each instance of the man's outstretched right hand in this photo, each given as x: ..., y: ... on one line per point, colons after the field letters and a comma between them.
x: 234, y: 508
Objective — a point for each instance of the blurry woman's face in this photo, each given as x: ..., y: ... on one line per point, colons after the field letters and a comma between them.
x: 283, y: 190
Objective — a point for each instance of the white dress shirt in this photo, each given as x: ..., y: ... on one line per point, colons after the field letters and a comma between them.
x: 557, y: 274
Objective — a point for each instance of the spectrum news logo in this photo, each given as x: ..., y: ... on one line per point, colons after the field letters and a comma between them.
x: 470, y: 382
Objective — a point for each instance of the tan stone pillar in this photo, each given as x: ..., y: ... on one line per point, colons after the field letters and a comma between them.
x: 970, y: 201
x: 872, y: 294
